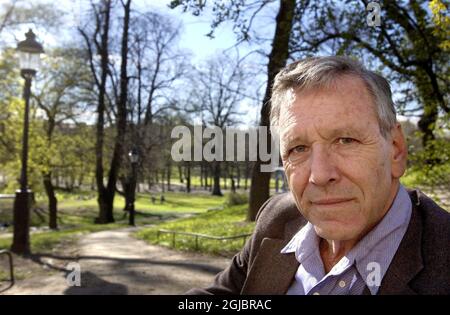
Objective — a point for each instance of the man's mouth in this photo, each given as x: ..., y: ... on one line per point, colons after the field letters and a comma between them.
x: 330, y: 201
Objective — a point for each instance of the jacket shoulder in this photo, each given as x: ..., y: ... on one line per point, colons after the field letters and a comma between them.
x: 436, y: 220
x: 435, y: 245
x: 279, y: 211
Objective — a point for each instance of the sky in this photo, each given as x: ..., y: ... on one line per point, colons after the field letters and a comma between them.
x: 193, y: 37
x: 194, y: 28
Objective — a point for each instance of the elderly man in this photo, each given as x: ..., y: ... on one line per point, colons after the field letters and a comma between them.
x: 347, y: 226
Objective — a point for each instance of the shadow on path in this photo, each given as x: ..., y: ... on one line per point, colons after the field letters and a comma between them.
x: 93, y: 285
x: 183, y: 264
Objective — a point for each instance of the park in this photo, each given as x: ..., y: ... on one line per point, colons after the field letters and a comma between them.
x: 120, y: 172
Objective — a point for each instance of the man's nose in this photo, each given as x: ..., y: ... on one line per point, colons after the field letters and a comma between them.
x: 323, y: 168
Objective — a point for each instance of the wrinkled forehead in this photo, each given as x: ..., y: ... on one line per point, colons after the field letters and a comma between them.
x: 345, y: 82
x: 344, y: 105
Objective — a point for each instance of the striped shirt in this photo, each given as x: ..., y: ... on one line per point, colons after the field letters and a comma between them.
x: 364, y: 265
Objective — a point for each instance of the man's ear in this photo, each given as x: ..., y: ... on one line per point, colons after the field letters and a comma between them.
x: 399, y: 151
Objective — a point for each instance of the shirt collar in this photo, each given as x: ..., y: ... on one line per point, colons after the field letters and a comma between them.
x: 378, y: 247
x: 373, y: 252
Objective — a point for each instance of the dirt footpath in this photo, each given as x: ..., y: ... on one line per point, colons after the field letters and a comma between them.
x: 113, y: 262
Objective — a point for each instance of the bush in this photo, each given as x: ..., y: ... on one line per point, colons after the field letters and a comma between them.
x: 236, y: 199
x: 430, y: 166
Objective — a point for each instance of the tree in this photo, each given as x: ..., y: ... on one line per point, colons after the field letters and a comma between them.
x: 243, y: 15
x: 155, y: 68
x: 441, y: 20
x: 98, y: 44
x: 10, y: 90
x: 218, y: 89
x: 61, y: 96
x: 260, y: 184
x: 406, y: 46
x: 16, y: 13
x: 121, y: 113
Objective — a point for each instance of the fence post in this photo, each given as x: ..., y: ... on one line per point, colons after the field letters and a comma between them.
x: 11, y: 267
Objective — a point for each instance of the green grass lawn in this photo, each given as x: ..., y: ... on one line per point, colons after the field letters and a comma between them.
x: 227, y: 222
x: 46, y: 241
x: 178, y: 202
x: 76, y: 214
x: 80, y: 209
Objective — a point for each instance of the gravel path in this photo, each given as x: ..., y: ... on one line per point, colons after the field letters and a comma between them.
x: 113, y: 262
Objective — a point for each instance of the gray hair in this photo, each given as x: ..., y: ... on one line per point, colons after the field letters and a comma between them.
x: 322, y: 72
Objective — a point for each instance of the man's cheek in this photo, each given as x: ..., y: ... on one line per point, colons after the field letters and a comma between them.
x: 295, y: 177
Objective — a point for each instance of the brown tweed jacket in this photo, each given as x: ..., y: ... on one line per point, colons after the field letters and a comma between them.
x: 421, y: 264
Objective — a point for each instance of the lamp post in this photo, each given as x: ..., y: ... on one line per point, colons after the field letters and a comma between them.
x: 133, y: 155
x: 29, y: 58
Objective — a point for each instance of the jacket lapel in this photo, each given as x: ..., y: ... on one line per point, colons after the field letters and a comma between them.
x: 271, y: 272
x: 408, y: 261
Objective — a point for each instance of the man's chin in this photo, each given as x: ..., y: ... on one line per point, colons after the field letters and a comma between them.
x: 335, y: 233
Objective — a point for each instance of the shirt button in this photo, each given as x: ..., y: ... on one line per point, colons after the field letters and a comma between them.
x: 342, y: 283
x: 316, y: 293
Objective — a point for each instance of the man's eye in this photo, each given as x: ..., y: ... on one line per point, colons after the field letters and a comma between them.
x: 346, y: 140
x: 296, y: 154
x: 299, y: 149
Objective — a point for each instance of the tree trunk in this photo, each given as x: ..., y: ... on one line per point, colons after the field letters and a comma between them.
x: 429, y: 115
x: 259, y: 190
x: 52, y: 201
x: 238, y: 176
x: 106, y: 203
x: 206, y: 174
x: 102, y: 50
x: 188, y: 177
x: 81, y: 179
x: 169, y: 174
x: 71, y: 182
x: 57, y: 182
x: 233, y: 183
x: 224, y: 178
x: 106, y: 199
x: 163, y: 175
x: 201, y: 176
x: 180, y: 174
x: 216, y: 185
x: 211, y: 180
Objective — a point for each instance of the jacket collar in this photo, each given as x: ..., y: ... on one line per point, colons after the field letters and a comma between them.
x: 408, y: 261
x: 273, y: 272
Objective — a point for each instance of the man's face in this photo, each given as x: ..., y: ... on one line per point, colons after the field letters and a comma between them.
x: 342, y: 172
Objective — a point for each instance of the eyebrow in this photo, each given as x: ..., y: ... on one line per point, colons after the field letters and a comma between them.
x: 327, y: 134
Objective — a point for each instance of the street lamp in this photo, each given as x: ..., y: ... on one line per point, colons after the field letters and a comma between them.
x: 29, y: 52
x: 133, y: 155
